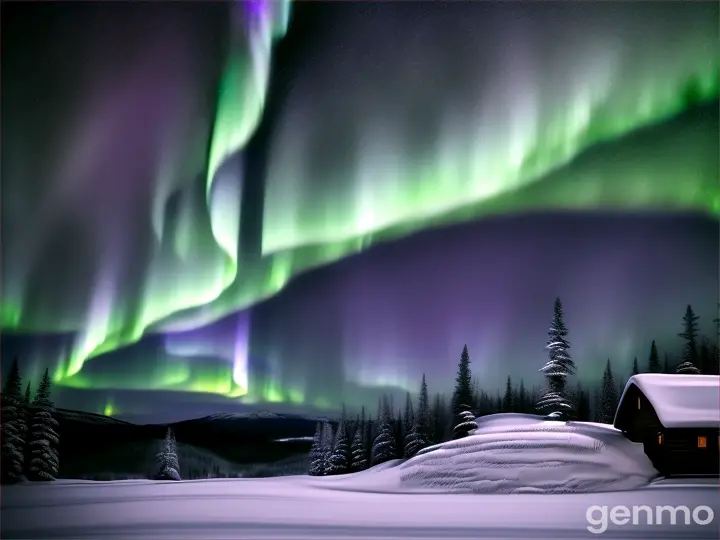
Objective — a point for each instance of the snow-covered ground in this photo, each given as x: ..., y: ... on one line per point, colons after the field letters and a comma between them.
x: 521, y: 453
x: 306, y: 508
x: 531, y: 479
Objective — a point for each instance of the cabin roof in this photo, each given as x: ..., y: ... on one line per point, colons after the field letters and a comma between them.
x: 680, y: 401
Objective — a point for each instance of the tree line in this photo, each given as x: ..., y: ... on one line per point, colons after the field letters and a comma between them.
x: 29, y: 446
x: 402, y: 432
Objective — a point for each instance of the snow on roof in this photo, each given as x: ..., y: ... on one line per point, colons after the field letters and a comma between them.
x: 680, y: 400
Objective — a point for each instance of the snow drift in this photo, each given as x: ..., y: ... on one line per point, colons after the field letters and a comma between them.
x: 519, y: 453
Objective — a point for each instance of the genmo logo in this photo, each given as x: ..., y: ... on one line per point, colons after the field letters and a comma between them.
x: 599, y: 517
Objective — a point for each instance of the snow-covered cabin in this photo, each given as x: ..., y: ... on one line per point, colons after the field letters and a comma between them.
x: 677, y: 418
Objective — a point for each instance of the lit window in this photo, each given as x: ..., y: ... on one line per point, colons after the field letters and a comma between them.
x: 638, y: 403
x: 702, y: 442
x: 660, y: 438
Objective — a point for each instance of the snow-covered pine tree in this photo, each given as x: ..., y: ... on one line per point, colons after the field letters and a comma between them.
x: 14, y: 428
x: 398, y: 429
x: 558, y: 368
x: 43, y: 438
x: 316, y: 455
x: 466, y: 425
x: 358, y: 452
x: 635, y: 369
x: 408, y: 423
x: 653, y: 359
x: 690, y: 335
x: 168, y: 466
x: 608, y: 396
x: 687, y: 368
x: 27, y: 415
x: 327, y: 441
x: 462, y: 395
x: 339, y: 461
x: 420, y: 436
x: 383, y: 448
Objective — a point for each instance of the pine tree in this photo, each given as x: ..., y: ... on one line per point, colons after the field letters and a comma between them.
x: 635, y: 369
x: 168, y: 467
x: 419, y: 436
x: 370, y: 428
x: 327, y: 440
x: 44, y: 440
x: 339, y: 461
x: 507, y: 399
x: 653, y: 359
x: 408, y: 424
x: 27, y: 400
x: 608, y: 396
x: 462, y: 395
x: 316, y: 453
x: 438, y: 419
x: 558, y: 368
x: 383, y: 448
x: 522, y: 398
x: 14, y: 427
x: 666, y: 365
x: 466, y: 424
x: 358, y: 453
x: 399, y: 430
x: 690, y: 335
x: 27, y: 416
x: 582, y: 404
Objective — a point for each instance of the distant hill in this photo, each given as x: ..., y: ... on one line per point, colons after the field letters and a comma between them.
x: 100, y: 447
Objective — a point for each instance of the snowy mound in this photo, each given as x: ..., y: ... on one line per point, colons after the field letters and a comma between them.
x: 517, y: 453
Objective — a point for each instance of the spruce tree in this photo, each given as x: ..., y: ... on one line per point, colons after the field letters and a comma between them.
x: 316, y: 454
x: 653, y: 359
x: 558, y: 368
x: 408, y: 424
x: 27, y: 400
x: 522, y: 398
x: 420, y: 435
x: 465, y: 425
x: 327, y: 441
x: 507, y: 399
x: 635, y: 369
x: 666, y: 365
x: 582, y: 404
x: 14, y: 427
x: 44, y: 440
x: 339, y: 461
x: 27, y: 416
x: 438, y: 418
x: 358, y: 453
x: 608, y: 396
x: 168, y: 467
x: 690, y: 335
x: 462, y: 395
x: 384, y: 448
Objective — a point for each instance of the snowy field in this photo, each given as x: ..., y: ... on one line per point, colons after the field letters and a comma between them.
x: 517, y: 477
x: 307, y: 508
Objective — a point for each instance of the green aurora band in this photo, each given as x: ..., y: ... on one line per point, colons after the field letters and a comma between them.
x: 546, y: 157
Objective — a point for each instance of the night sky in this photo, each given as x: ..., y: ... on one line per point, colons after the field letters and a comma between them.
x: 213, y: 207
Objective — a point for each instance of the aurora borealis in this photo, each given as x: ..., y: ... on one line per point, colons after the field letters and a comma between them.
x: 220, y: 204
